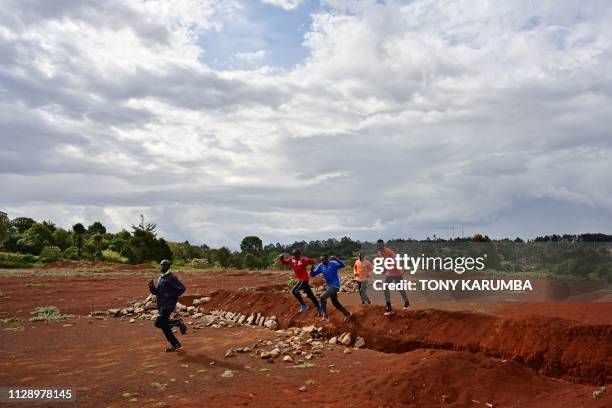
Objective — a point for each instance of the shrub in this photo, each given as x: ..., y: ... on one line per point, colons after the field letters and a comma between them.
x: 113, y: 256
x: 19, y: 260
x: 44, y: 313
x: 71, y: 252
x: 51, y: 253
x: 292, y: 282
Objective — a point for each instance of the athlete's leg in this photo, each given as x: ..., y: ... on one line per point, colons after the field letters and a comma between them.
x: 324, y: 298
x: 163, y: 322
x: 295, y: 291
x: 308, y: 291
x: 336, y: 302
x: 387, y: 293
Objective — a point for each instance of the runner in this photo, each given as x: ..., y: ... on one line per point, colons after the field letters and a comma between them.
x: 167, y: 292
x: 392, y: 275
x: 329, y: 269
x: 299, y: 264
x: 362, y: 270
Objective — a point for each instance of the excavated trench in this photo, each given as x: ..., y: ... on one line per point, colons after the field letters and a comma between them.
x: 558, y: 348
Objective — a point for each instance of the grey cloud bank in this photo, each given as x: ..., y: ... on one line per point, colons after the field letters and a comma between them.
x: 405, y: 118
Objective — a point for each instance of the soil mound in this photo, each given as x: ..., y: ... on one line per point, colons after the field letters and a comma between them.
x: 553, y: 347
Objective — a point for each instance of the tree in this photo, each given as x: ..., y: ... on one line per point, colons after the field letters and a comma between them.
x: 61, y: 238
x: 79, y: 230
x: 251, y: 245
x: 96, y: 228
x: 251, y: 261
x: 5, y: 227
x: 223, y: 256
x: 22, y: 224
x: 35, y: 239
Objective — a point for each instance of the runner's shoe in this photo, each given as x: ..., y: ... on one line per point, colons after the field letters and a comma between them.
x: 319, y: 312
x: 406, y: 305
x: 348, y: 317
x: 174, y: 348
x: 304, y: 308
x: 324, y: 319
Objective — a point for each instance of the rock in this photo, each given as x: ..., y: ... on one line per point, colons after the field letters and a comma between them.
x: 347, y: 351
x: 132, y: 320
x: 360, y: 342
x: 265, y: 354
x: 333, y: 340
x: 288, y: 359
x: 196, y: 302
x: 275, y: 353
x: 303, y: 388
x: 197, y: 315
x: 229, y: 353
x: 346, y: 340
x: 114, y: 312
x: 271, y: 324
x: 308, y: 329
x: 308, y: 357
x: 191, y: 309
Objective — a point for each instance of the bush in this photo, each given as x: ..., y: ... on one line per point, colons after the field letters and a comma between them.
x: 71, y: 253
x: 113, y: 256
x: 19, y: 260
x: 51, y: 253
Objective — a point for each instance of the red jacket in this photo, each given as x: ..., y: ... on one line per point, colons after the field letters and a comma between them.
x: 299, y: 266
x: 393, y: 271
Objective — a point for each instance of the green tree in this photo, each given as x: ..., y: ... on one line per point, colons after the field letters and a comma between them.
x: 251, y: 245
x: 22, y: 224
x: 51, y: 253
x: 62, y: 238
x: 223, y: 256
x: 35, y: 239
x: 5, y: 228
x: 251, y: 261
x: 79, y: 230
x: 96, y: 228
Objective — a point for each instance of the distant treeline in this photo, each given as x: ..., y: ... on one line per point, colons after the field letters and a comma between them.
x: 26, y: 242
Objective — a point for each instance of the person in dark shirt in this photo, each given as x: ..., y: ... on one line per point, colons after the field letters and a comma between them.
x: 167, y: 291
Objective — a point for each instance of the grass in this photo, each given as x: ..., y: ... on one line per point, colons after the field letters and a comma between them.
x: 48, y: 313
x: 12, y: 319
x: 304, y: 365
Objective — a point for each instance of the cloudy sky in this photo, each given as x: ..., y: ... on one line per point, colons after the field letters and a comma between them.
x: 303, y: 119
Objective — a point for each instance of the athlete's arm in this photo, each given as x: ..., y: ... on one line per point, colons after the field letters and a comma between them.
x: 316, y: 271
x: 284, y: 261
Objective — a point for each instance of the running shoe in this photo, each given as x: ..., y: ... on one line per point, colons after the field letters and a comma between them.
x: 304, y: 308
x: 325, y: 319
x: 348, y: 317
x: 174, y: 347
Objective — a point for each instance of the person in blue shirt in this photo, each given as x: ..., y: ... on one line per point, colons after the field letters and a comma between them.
x: 167, y: 292
x: 329, y: 268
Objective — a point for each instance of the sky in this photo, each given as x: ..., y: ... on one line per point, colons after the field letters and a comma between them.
x: 302, y: 119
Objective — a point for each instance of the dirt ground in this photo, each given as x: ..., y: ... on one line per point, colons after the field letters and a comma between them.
x: 447, y: 353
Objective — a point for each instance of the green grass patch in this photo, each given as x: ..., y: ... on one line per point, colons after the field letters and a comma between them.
x: 48, y: 313
x: 304, y: 365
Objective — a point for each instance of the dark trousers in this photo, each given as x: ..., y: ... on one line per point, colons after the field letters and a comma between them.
x: 303, y: 285
x: 363, y: 287
x: 164, y: 323
x: 331, y: 293
x: 394, y: 279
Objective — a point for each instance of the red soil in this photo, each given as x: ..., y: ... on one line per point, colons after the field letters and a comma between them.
x: 439, y: 357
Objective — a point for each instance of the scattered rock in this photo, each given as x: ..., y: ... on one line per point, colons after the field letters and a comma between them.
x: 288, y: 359
x: 346, y: 340
x: 360, y: 342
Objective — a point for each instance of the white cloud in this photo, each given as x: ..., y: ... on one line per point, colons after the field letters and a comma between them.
x: 285, y: 4
x: 251, y: 56
x: 404, y: 119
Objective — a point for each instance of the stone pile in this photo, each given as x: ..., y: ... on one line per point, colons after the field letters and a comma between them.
x: 295, y: 344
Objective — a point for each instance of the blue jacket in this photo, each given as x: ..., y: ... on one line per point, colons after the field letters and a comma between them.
x: 168, y: 290
x: 330, y: 272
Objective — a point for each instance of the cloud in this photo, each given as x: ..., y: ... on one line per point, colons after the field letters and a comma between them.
x: 284, y: 4
x: 251, y: 56
x: 404, y: 119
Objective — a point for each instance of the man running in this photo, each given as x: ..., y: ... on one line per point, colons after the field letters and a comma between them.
x: 167, y: 292
x: 329, y: 269
x: 392, y: 275
x: 299, y: 264
x: 362, y: 270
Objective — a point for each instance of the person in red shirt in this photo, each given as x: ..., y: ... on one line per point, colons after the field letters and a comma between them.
x: 299, y: 264
x: 393, y: 274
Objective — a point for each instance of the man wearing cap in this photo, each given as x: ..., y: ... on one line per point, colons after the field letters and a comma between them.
x: 167, y: 291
